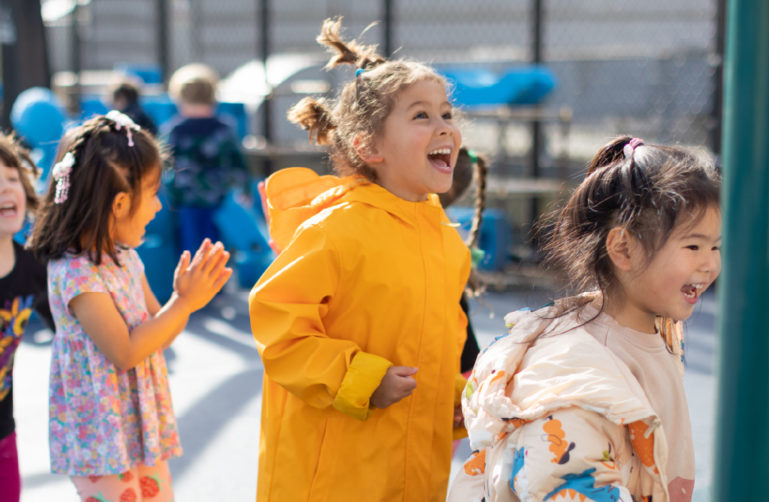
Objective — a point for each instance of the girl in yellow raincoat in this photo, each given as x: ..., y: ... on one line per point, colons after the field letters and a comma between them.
x: 358, y: 320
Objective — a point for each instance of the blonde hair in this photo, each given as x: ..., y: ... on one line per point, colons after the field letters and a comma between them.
x: 194, y: 84
x: 364, y: 103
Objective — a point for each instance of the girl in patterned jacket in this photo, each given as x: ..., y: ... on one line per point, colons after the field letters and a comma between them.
x: 111, y: 424
x: 584, y: 399
x: 358, y: 320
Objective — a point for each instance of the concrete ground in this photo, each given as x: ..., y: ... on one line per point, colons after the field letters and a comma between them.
x: 216, y: 375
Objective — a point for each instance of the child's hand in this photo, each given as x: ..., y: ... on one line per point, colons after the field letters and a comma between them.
x: 196, y: 281
x: 459, y: 418
x: 395, y: 385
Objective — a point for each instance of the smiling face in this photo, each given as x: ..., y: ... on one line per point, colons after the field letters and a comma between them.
x: 416, y: 152
x: 129, y: 226
x: 13, y: 201
x: 680, y: 271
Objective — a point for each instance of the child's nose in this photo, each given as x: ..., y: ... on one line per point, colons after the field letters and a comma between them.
x: 713, y: 263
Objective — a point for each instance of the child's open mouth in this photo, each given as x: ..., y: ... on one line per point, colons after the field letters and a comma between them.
x: 440, y: 159
x: 8, y: 209
x: 692, y: 292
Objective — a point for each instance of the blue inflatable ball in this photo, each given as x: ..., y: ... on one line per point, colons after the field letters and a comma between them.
x: 38, y: 116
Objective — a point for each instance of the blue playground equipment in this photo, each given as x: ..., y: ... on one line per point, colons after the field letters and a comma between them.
x: 147, y: 73
x: 92, y: 105
x: 495, y: 238
x: 159, y: 251
x: 38, y: 116
x: 474, y: 87
x: 160, y: 108
x: 243, y: 232
x: 235, y: 114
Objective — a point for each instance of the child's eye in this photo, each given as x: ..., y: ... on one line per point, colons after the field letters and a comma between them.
x: 693, y: 247
x: 448, y: 116
x: 420, y: 115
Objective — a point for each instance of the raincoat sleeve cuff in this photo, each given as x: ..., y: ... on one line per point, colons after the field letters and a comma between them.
x: 363, y: 376
x: 459, y: 387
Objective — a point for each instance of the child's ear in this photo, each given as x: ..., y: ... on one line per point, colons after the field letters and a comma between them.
x: 121, y: 205
x: 619, y: 247
x: 366, y: 150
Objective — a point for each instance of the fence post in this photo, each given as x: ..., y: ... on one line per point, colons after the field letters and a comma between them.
x: 741, y: 457
x: 162, y: 37
x: 76, y: 61
x: 387, y: 7
x: 9, y: 40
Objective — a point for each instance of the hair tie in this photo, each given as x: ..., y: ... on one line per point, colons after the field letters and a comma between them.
x: 473, y: 156
x: 60, y: 173
x: 630, y: 146
x: 359, y: 71
x: 121, y: 121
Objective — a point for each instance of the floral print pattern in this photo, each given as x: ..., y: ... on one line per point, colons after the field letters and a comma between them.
x: 103, y: 420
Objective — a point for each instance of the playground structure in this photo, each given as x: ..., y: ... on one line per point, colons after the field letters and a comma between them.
x: 40, y: 116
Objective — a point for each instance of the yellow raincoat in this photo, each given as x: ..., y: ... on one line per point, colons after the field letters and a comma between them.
x: 367, y: 281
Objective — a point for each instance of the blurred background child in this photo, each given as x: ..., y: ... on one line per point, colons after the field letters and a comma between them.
x: 125, y: 96
x: 469, y: 165
x: 207, y: 161
x: 22, y: 290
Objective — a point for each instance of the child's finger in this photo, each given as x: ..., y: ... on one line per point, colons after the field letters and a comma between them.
x: 184, y: 262
x: 404, y: 371
x: 224, y: 276
x: 201, y: 252
x: 213, y: 256
x: 221, y: 261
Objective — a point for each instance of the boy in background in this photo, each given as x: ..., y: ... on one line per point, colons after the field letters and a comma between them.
x: 206, y: 155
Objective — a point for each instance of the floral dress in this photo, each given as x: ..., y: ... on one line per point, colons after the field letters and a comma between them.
x: 103, y: 420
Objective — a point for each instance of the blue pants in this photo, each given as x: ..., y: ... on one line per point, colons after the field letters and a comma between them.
x: 195, y: 224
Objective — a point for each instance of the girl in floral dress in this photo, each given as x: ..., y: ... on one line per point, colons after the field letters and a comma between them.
x: 112, y: 426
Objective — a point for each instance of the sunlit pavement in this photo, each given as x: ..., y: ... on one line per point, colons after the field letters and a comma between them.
x: 216, y: 374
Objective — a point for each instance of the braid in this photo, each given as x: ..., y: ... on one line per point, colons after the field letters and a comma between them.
x: 475, y: 285
x: 481, y: 169
x: 314, y: 116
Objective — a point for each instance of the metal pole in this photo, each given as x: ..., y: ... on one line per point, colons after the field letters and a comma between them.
x: 536, y: 127
x: 718, y: 78
x: 162, y: 38
x: 388, y: 27
x: 75, y: 55
x: 741, y: 459
x: 9, y: 39
x: 265, y: 48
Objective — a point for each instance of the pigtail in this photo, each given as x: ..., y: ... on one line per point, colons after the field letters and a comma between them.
x: 609, y: 154
x: 314, y: 116
x: 480, y: 171
x: 351, y: 52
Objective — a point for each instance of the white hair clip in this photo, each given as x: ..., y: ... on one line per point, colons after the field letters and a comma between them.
x: 630, y: 146
x: 60, y: 173
x: 121, y: 121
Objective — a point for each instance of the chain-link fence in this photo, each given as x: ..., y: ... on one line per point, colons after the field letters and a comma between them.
x: 646, y: 68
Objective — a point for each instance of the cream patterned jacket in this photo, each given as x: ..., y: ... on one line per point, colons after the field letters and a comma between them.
x: 552, y: 414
